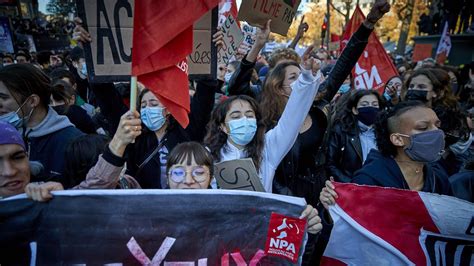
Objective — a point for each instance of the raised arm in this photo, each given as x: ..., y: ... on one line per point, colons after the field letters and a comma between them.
x: 280, y: 139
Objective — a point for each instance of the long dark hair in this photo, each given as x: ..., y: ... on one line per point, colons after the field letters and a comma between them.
x: 216, y: 138
x: 273, y: 101
x: 346, y: 118
x: 387, y: 123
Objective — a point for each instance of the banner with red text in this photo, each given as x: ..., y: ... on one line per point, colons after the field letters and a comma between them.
x: 384, y: 226
x: 152, y: 227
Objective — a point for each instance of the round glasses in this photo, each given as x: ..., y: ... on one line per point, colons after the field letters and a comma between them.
x: 198, y: 173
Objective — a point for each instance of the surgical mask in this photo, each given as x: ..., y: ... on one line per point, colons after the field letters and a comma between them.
x: 367, y: 115
x: 153, y: 117
x: 454, y: 87
x: 242, y: 130
x: 425, y: 147
x: 462, y: 146
x: 84, y: 69
x: 344, y: 88
x: 386, y: 96
x: 227, y: 77
x: 417, y: 95
x: 14, y: 119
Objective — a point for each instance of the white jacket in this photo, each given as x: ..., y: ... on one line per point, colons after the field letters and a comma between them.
x: 280, y: 139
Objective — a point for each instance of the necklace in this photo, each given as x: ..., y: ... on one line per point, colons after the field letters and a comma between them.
x: 417, y: 169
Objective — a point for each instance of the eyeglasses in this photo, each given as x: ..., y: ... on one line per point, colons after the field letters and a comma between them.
x: 198, y: 173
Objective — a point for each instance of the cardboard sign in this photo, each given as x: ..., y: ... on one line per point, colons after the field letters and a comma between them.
x: 232, y: 39
x: 173, y: 227
x: 258, y: 12
x: 249, y: 38
x: 109, y: 55
x: 238, y: 174
x: 422, y: 51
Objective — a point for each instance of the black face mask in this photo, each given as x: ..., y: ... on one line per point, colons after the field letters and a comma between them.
x: 416, y: 95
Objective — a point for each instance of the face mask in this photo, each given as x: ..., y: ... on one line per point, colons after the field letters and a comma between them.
x: 461, y: 146
x: 417, y: 95
x: 227, y: 77
x: 367, y: 115
x: 344, y: 88
x: 14, y: 119
x: 153, y: 117
x: 425, y: 147
x: 386, y: 96
x: 242, y: 130
x: 454, y: 87
x: 84, y: 70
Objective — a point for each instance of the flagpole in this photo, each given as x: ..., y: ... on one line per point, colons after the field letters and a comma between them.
x: 133, y: 95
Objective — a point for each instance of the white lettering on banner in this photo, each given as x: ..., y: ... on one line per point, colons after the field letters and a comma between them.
x: 280, y: 244
x: 365, y: 80
x: 183, y: 65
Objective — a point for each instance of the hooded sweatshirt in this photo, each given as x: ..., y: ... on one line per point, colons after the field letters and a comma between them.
x: 383, y: 171
x: 47, y: 142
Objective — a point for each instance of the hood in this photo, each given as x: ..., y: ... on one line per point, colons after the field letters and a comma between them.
x: 50, y: 124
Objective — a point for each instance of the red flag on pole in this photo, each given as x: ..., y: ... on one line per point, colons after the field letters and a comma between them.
x: 374, y: 67
x: 162, y: 39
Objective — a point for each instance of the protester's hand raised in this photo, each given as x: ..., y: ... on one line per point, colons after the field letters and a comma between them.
x: 42, y: 191
x: 129, y: 128
x: 328, y: 195
x: 314, y: 221
x: 310, y: 63
x: 80, y: 34
x: 377, y: 11
x: 302, y: 28
x: 261, y: 37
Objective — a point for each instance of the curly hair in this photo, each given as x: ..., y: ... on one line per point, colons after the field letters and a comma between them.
x: 282, y: 54
x: 346, y: 118
x: 273, y: 102
x: 441, y: 85
x: 216, y: 138
x: 388, y: 123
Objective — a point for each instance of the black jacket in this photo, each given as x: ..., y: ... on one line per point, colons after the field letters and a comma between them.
x: 383, y: 171
x: 78, y: 117
x: 344, y: 155
x: 149, y: 174
x: 463, y: 185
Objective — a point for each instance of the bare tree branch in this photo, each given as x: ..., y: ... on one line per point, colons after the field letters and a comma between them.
x: 338, y: 11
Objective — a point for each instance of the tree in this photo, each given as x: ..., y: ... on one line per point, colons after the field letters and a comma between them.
x: 314, y: 18
x: 61, y: 7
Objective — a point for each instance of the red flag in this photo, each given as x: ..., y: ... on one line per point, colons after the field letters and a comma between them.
x: 400, y: 227
x: 374, y: 67
x: 162, y: 39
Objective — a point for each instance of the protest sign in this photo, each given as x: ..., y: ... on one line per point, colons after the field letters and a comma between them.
x: 145, y: 227
x: 110, y: 23
x: 422, y: 51
x: 6, y: 41
x: 232, y: 39
x: 249, y: 38
x: 238, y: 174
x: 402, y: 228
x: 258, y: 12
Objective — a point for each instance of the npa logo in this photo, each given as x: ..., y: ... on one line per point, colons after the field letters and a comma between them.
x: 367, y: 79
x: 285, y: 236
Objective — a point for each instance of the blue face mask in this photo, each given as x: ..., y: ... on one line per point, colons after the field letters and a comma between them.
x: 84, y: 69
x: 12, y: 118
x: 153, y: 117
x: 344, y: 88
x: 242, y: 130
x: 227, y: 77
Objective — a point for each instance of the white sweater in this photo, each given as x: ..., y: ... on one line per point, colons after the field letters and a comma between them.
x: 280, y: 139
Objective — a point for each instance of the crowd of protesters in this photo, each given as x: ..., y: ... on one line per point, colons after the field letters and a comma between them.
x: 299, y: 119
